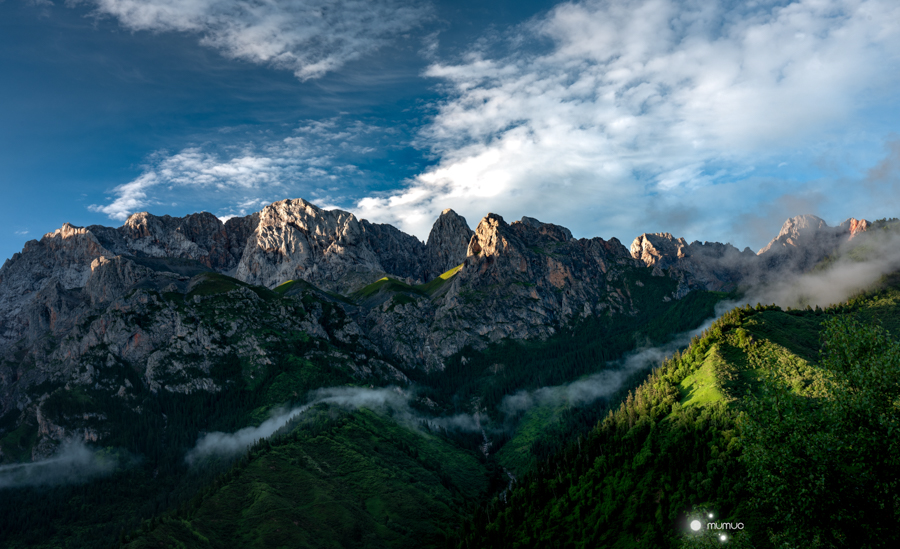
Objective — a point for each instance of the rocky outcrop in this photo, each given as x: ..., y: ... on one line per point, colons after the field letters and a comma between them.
x: 297, y: 240
x: 111, y: 278
x: 447, y: 244
x: 201, y: 237
x: 521, y: 280
x: 802, y: 242
x: 658, y: 250
x: 854, y: 227
x: 796, y: 232
x: 398, y: 253
x: 708, y: 265
x: 239, y: 230
x: 168, y: 333
x: 59, y: 262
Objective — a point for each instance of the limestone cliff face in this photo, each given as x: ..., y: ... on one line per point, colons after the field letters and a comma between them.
x: 294, y: 239
x: 708, y: 265
x: 398, y: 253
x: 854, y: 227
x: 660, y: 250
x: 201, y: 237
x: 54, y: 280
x: 447, y: 244
x: 39, y: 276
x: 297, y: 240
x: 803, y: 241
x: 168, y: 333
x: 522, y: 280
x: 796, y: 231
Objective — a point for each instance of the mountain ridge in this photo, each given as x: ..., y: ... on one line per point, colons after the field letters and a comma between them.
x: 148, y: 337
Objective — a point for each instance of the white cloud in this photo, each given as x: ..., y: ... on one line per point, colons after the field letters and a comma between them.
x: 308, y: 37
x: 710, y: 119
x: 244, y: 179
x: 637, y: 105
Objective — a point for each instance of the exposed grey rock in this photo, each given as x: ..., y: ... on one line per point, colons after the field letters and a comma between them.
x: 297, y: 240
x: 709, y: 265
x: 447, y: 244
x: 521, y: 280
x: 111, y: 278
x: 398, y: 253
x: 803, y: 241
x: 239, y: 230
x: 61, y: 259
x: 198, y: 236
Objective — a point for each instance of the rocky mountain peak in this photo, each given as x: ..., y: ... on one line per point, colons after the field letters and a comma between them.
x: 447, y: 244
x: 199, y: 236
x: 488, y: 239
x: 66, y: 231
x: 855, y: 226
x: 542, y: 231
x: 298, y: 240
x: 796, y: 230
x: 655, y: 248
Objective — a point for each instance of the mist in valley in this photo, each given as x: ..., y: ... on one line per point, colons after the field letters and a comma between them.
x: 73, y: 463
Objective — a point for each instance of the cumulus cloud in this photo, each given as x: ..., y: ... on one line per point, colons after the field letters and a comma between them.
x: 712, y: 120
x: 308, y: 37
x: 606, y: 112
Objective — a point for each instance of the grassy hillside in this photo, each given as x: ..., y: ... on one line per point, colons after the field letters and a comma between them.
x: 783, y: 421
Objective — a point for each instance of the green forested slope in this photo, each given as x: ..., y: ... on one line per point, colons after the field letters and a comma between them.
x: 783, y: 421
x: 338, y: 479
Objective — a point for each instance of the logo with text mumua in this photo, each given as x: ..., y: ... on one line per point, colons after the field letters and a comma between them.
x: 706, y: 523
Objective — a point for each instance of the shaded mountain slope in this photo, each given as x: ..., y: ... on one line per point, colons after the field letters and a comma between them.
x: 354, y: 480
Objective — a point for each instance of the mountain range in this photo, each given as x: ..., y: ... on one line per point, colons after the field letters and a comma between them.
x: 108, y: 334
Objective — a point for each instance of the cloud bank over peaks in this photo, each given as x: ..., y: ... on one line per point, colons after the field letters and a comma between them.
x: 632, y: 107
x: 308, y: 37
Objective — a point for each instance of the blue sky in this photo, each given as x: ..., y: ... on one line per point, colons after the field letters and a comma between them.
x: 710, y: 120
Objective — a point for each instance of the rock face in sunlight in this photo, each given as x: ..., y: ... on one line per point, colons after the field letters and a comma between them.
x: 521, y: 280
x: 707, y: 265
x: 855, y: 226
x: 804, y: 240
x: 295, y: 239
